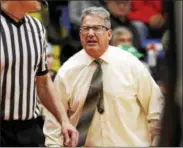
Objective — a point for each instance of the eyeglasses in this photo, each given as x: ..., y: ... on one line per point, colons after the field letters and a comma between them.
x: 96, y: 29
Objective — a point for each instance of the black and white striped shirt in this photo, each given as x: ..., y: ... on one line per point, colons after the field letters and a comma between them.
x: 22, y: 47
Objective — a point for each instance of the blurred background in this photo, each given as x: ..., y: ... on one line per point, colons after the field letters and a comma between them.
x: 149, y: 29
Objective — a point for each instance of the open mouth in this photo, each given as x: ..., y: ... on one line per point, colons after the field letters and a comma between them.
x: 91, y: 42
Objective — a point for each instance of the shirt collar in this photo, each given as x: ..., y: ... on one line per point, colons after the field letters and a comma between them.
x: 106, y: 57
x: 6, y: 16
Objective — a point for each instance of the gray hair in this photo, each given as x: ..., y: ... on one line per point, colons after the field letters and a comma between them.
x: 97, y: 11
x: 121, y: 30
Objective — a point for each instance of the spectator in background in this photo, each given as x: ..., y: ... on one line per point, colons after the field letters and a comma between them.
x: 121, y: 36
x: 119, y: 11
x: 145, y: 15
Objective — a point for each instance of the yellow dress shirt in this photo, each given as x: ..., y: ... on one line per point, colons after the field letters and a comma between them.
x: 131, y: 99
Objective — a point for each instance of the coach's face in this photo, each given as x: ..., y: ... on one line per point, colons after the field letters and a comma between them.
x: 94, y: 35
x: 30, y: 5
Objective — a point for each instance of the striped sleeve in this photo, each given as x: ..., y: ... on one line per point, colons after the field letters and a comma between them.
x: 43, y: 68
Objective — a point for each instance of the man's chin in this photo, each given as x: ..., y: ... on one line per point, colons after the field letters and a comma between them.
x: 92, y: 51
x: 92, y: 46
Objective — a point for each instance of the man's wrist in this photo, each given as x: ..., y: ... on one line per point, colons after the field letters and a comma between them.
x: 64, y: 120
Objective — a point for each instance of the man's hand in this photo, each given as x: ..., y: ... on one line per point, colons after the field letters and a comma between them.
x: 70, y: 134
x: 154, y: 131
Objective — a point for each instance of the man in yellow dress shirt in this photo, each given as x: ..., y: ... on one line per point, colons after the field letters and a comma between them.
x: 132, y: 100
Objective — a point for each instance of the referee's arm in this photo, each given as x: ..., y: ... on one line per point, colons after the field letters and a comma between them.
x: 45, y: 88
x: 48, y: 97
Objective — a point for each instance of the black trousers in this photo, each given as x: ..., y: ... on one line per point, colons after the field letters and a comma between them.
x: 18, y: 133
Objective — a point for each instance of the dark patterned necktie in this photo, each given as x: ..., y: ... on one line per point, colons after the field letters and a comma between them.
x: 93, y: 100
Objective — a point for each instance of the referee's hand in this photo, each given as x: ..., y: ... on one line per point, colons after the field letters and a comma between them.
x: 70, y: 134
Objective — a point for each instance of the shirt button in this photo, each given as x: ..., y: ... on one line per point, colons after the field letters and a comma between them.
x: 100, y: 110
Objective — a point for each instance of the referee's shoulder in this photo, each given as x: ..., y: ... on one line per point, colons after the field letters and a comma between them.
x: 36, y: 21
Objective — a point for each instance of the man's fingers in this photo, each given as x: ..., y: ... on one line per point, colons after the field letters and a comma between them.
x: 74, y: 137
x: 71, y: 135
x: 155, y: 132
x: 66, y: 137
x: 154, y: 128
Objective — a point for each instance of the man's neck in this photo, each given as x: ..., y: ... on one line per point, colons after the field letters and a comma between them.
x: 14, y: 12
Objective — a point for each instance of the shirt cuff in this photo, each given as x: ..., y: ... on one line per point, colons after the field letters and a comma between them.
x: 154, y: 116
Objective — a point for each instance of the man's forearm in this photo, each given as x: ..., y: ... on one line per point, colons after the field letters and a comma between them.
x: 49, y: 99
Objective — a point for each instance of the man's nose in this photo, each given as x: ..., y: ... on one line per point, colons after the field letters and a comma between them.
x: 90, y: 32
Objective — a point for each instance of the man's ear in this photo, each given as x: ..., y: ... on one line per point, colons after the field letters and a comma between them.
x: 110, y: 34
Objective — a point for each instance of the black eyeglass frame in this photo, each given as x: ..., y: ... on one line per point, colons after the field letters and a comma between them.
x: 91, y: 27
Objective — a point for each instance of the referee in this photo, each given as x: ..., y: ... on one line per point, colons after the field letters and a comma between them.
x: 23, y: 75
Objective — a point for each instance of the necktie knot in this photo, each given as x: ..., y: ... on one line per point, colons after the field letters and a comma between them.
x: 98, y: 61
